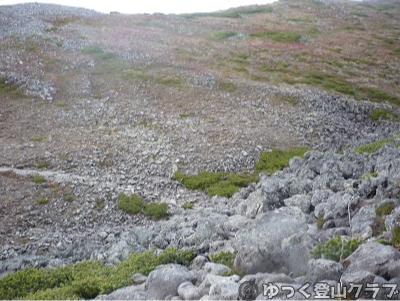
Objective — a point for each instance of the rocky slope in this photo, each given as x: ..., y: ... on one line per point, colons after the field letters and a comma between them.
x: 103, y: 104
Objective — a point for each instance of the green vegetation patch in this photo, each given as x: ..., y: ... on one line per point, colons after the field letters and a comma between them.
x: 187, y: 206
x: 97, y: 51
x: 222, y: 34
x: 222, y: 257
x: 377, y: 95
x: 227, y: 87
x: 42, y: 201
x: 336, y: 248
x: 130, y: 204
x: 9, y: 88
x: 86, y: 279
x: 396, y: 236
x: 135, y: 204
x: 272, y: 161
x: 385, y: 208
x: 161, y: 80
x: 38, y: 179
x: 43, y: 164
x: 38, y: 139
x: 277, y: 35
x: 369, y: 175
x: 372, y: 147
x: 216, y: 183
x: 230, y: 13
x: 227, y: 184
x: 156, y: 210
x: 383, y: 114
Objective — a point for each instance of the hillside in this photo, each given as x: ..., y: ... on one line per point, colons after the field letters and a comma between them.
x: 97, y: 107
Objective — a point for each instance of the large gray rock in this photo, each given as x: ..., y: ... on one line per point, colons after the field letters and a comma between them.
x: 336, y: 206
x: 188, y: 291
x: 259, y: 247
x: 362, y: 222
x: 224, y: 291
x: 165, y: 280
x: 323, y: 269
x: 372, y: 257
x: 126, y: 293
x: 215, y: 279
x: 270, y: 195
x: 216, y: 268
x: 301, y: 201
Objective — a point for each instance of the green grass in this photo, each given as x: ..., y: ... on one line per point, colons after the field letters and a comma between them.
x: 38, y: 139
x: 227, y: 184
x: 383, y: 114
x: 230, y: 13
x: 135, y: 204
x: 38, y: 179
x: 156, y: 210
x: 216, y: 183
x: 278, y: 159
x: 227, y: 87
x: 43, y: 164
x: 161, y: 80
x: 372, y: 147
x: 69, y: 198
x: 10, y: 89
x: 222, y: 257
x: 396, y: 237
x: 278, y: 36
x: 332, y: 249
x: 42, y: 201
x: 187, y: 206
x: 166, y: 81
x: 377, y: 95
x: 130, y: 204
x: 222, y: 35
x: 369, y: 175
x: 86, y: 279
x: 385, y: 208
x: 98, y: 52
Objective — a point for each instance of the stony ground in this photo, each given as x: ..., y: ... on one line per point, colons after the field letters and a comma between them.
x: 102, y: 104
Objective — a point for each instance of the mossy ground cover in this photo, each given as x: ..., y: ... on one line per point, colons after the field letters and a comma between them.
x: 135, y: 204
x: 216, y: 183
x: 235, y: 13
x: 383, y: 114
x: 336, y: 248
x: 227, y: 184
x: 85, y: 279
x: 278, y: 35
x: 278, y: 159
x: 373, y: 146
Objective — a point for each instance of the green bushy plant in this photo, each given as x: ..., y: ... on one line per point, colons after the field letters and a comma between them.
x: 223, y: 257
x: 278, y: 159
x: 156, y: 210
x: 85, y: 279
x: 372, y: 147
x: 130, y: 204
x: 187, y: 206
x: 332, y: 249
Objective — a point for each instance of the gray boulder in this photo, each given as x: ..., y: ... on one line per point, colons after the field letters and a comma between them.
x: 224, y: 291
x: 362, y: 222
x: 372, y: 257
x: 259, y: 247
x: 323, y: 269
x: 165, y: 280
x: 216, y: 268
x: 215, y: 279
x: 188, y: 291
x: 303, y: 202
x: 126, y: 293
